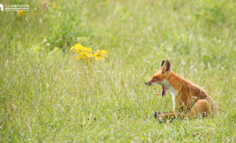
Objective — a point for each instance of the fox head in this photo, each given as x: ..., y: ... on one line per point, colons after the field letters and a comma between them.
x: 161, y: 77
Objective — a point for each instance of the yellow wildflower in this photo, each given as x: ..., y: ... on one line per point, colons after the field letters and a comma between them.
x: 90, y: 55
x: 89, y: 50
x: 100, y: 55
x: 104, y: 53
x: 77, y: 45
x: 79, y: 48
x: 21, y: 13
x: 72, y: 48
x: 85, y: 56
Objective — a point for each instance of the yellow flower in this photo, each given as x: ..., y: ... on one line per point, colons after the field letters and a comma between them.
x: 72, y: 48
x: 104, y: 53
x: 89, y: 50
x: 78, y: 45
x: 90, y: 55
x: 75, y: 48
x: 79, y: 48
x: 100, y: 55
x: 21, y: 13
x: 85, y: 54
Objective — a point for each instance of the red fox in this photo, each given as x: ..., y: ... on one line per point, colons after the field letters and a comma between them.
x: 189, y: 100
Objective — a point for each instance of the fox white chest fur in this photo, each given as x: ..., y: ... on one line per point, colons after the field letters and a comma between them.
x: 172, y: 90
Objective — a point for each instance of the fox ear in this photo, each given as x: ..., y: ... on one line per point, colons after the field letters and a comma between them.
x: 166, y: 66
x: 162, y: 63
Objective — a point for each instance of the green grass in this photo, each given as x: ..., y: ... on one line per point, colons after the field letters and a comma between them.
x: 48, y: 96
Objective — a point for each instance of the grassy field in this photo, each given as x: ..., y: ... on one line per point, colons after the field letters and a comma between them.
x: 48, y: 96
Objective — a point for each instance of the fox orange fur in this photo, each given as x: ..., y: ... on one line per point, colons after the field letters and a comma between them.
x: 189, y: 100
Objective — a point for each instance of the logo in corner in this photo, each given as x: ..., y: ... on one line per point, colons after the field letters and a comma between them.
x: 1, y: 6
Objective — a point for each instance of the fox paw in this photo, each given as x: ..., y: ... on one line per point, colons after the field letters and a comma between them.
x: 154, y: 114
x: 158, y: 116
x: 162, y: 117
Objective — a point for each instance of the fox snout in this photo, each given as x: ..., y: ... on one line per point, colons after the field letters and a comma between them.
x: 147, y: 83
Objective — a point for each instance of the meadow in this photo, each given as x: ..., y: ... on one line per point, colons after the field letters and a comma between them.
x: 47, y: 95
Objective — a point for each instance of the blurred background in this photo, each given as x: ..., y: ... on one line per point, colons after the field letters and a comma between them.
x: 75, y: 70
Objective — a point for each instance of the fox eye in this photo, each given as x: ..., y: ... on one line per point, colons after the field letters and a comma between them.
x: 155, y: 78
